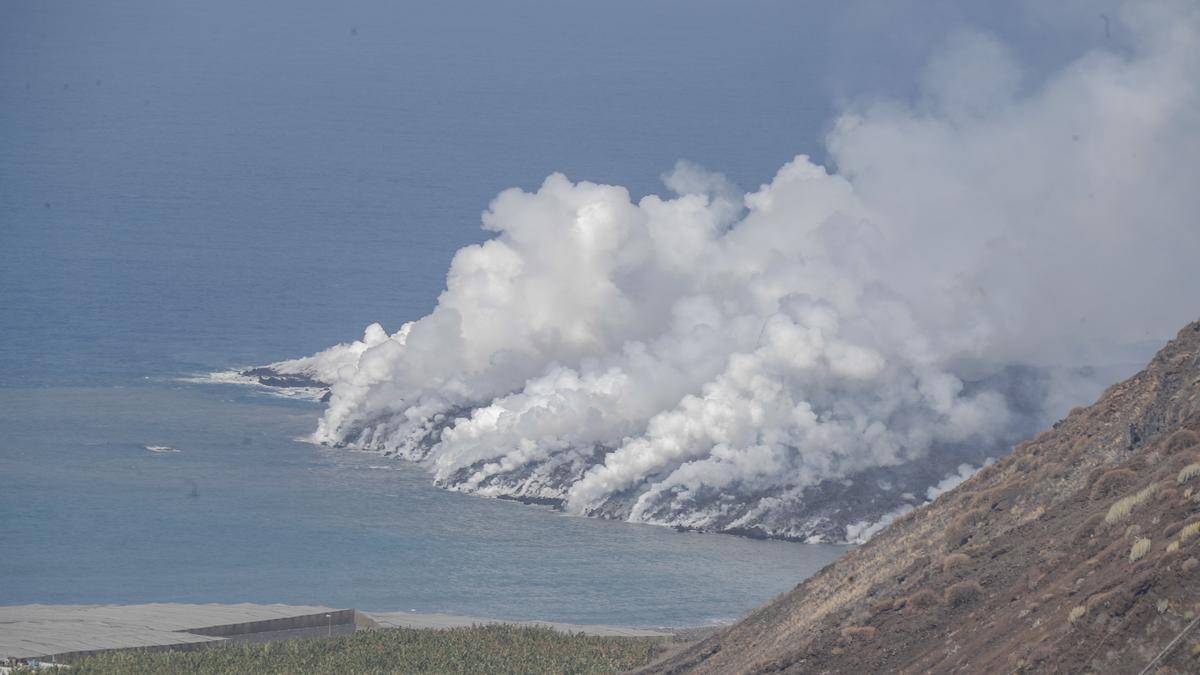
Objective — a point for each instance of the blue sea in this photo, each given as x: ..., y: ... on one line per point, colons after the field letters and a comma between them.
x: 188, y: 188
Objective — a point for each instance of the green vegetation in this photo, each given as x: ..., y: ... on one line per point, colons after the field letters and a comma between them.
x: 479, y: 649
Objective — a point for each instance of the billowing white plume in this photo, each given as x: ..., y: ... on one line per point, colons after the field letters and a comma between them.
x: 724, y: 361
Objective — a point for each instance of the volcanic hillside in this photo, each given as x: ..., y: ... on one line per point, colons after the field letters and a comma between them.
x: 1079, y: 552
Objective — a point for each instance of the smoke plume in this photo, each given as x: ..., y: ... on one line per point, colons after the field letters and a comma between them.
x: 728, y: 360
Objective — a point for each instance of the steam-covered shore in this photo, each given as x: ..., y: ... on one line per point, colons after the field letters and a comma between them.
x: 809, y: 358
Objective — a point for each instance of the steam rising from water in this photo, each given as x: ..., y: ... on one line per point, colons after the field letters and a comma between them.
x: 705, y: 358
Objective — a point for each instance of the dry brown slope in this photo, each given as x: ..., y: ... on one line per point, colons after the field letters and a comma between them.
x: 1022, y: 568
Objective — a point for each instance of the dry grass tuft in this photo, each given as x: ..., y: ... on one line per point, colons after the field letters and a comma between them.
x: 963, y: 593
x: 1121, y: 509
x: 1187, y: 473
x: 858, y: 633
x: 1139, y: 550
x: 1189, y: 531
x: 1172, y: 547
x: 1076, y: 614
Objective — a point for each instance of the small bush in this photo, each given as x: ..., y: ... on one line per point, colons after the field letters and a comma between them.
x: 1076, y: 614
x: 1162, y: 605
x: 922, y: 599
x: 1187, y: 473
x: 1180, y: 440
x: 1112, y: 483
x: 962, y: 593
x: 858, y: 633
x: 990, y: 498
x: 1190, y: 564
x: 1090, y: 528
x: 882, y: 605
x: 964, y: 527
x: 954, y: 560
x: 1104, y: 600
x: 1139, y: 550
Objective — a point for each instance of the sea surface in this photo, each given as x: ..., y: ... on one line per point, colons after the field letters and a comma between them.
x: 187, y: 188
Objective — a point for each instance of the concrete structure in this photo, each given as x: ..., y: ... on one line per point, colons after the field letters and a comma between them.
x: 63, y: 632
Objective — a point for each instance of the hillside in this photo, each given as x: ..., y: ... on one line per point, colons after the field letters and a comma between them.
x: 1079, y: 552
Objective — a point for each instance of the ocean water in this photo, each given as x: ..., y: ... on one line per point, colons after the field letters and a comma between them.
x: 189, y: 188
x: 237, y: 511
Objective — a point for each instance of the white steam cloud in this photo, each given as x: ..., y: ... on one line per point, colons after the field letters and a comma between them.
x: 718, y: 360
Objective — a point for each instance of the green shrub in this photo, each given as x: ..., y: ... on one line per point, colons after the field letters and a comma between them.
x: 478, y: 649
